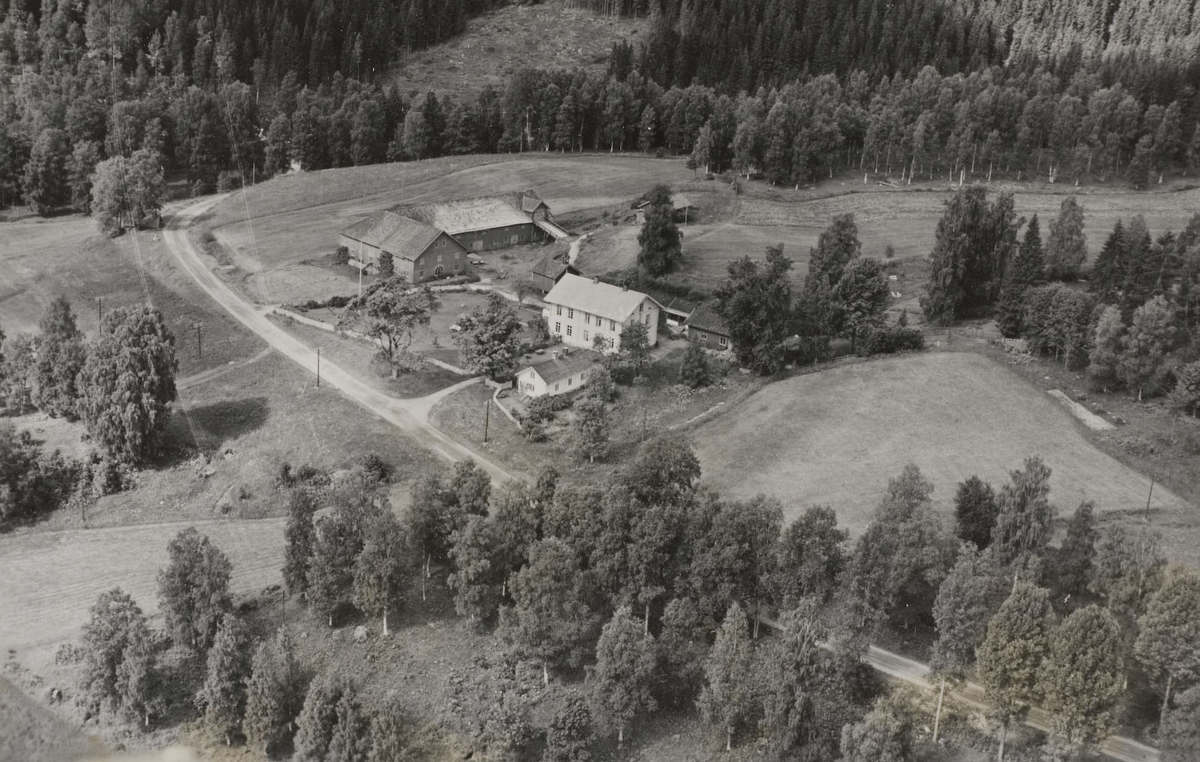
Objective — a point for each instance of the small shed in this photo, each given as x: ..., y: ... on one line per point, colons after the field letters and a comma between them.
x: 679, y: 202
x: 707, y: 328
x: 550, y: 270
x: 565, y: 370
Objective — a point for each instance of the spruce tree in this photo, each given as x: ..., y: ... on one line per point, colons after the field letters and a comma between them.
x: 60, y: 356
x: 975, y: 512
x: 274, y: 694
x: 299, y: 537
x: 193, y: 591
x: 1066, y: 248
x: 793, y: 673
x: 659, y: 239
x: 1026, y: 270
x: 318, y: 720
x: 222, y: 698
x: 1074, y: 560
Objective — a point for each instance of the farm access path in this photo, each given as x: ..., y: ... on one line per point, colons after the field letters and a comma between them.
x: 410, y: 416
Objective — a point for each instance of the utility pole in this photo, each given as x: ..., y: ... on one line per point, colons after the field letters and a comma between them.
x: 99, y: 310
x: 199, y: 343
x: 487, y: 416
x: 1148, y: 496
x: 318, y: 367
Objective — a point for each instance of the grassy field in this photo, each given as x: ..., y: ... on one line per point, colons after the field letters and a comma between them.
x: 500, y: 42
x: 835, y: 438
x: 297, y: 218
x: 41, y: 259
x: 904, y: 218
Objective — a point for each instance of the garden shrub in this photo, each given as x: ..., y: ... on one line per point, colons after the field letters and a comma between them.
x: 889, y: 339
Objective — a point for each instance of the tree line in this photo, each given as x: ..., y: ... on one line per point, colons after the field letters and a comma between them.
x: 1132, y: 326
x: 658, y: 586
x: 69, y: 104
x: 120, y: 385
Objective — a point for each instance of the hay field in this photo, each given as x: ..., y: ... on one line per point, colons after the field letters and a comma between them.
x: 294, y: 218
x: 837, y: 436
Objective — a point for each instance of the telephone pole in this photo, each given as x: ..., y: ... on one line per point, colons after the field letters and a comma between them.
x: 199, y: 343
x: 318, y: 367
x: 487, y: 417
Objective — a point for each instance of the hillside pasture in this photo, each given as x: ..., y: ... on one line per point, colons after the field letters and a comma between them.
x: 297, y: 217
x: 41, y: 259
x: 836, y: 437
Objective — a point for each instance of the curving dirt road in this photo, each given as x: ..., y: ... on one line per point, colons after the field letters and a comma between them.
x: 411, y: 416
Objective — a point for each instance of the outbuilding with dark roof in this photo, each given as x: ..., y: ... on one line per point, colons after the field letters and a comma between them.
x: 707, y: 328
x: 419, y: 251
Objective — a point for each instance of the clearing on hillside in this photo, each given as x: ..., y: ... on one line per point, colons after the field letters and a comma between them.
x: 297, y: 217
x: 499, y: 43
x: 835, y: 438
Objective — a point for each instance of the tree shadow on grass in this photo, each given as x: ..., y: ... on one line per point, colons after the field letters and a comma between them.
x: 208, y: 427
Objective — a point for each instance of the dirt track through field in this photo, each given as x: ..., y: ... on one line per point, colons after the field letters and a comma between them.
x: 51, y: 579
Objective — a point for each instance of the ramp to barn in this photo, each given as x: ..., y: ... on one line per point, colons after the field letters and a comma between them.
x: 554, y: 230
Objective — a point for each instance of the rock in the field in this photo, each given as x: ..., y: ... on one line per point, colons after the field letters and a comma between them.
x: 360, y: 634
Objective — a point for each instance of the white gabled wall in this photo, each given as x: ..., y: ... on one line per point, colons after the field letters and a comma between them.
x: 577, y: 328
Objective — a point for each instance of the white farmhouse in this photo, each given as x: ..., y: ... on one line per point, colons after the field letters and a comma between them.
x: 563, y: 371
x: 579, y: 309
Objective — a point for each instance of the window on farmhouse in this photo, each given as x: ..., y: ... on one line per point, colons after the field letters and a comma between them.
x: 568, y: 330
x: 570, y: 314
x: 612, y: 325
x: 559, y: 309
x: 585, y: 336
x: 558, y: 327
x: 587, y: 319
x: 704, y: 336
x: 724, y: 341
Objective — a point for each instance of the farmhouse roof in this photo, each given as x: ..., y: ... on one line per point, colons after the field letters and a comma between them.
x: 675, y: 304
x: 563, y: 363
x: 706, y: 318
x: 398, y: 235
x: 550, y: 267
x: 480, y: 213
x: 603, y: 299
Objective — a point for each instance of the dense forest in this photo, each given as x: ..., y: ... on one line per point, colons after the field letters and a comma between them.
x: 226, y: 93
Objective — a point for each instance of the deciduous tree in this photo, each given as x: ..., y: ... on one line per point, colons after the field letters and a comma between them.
x: 861, y: 296
x: 45, y: 178
x: 792, y: 664
x: 193, y: 591
x: 1168, y: 644
x: 125, y: 191
x: 728, y: 693
x: 139, y: 678
x: 299, y: 537
x: 331, y: 573
x: 625, y: 662
x: 383, y: 568
x: 571, y: 732
x: 591, y: 429
x: 1141, y: 365
x: 1074, y: 560
x: 1081, y: 676
x: 1009, y: 662
x: 756, y: 304
x: 319, y: 718
x: 1179, y: 730
x: 116, y: 621
x: 1107, y: 348
x: 1026, y: 515
x: 881, y: 736
x: 695, y: 372
x: 391, y: 312
x: 490, y: 338
x: 635, y: 346
x: 477, y: 580
x: 810, y: 558
x: 127, y: 383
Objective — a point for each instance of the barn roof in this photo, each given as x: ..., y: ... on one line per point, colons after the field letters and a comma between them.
x: 603, y: 299
x: 470, y: 214
x: 678, y: 202
x: 706, y: 318
x: 562, y: 363
x: 398, y: 235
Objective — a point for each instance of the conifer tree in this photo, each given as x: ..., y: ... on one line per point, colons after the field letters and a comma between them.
x: 793, y: 674
x: 274, y: 694
x: 382, y: 568
x: 223, y: 695
x: 659, y: 239
x: 477, y: 579
x: 1074, y: 560
x: 975, y: 512
x: 694, y: 372
x: 299, y: 537
x: 1026, y: 270
x: 116, y: 620
x: 60, y: 357
x: 139, y: 678
x: 1066, y: 248
x: 319, y: 718
x: 331, y: 574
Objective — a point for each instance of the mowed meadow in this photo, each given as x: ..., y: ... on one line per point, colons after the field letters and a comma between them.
x: 277, y: 225
x: 836, y: 437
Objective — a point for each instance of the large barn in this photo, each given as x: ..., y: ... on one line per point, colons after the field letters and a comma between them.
x: 430, y: 241
x: 419, y: 252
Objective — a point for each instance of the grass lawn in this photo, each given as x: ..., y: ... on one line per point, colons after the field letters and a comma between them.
x: 42, y: 259
x: 297, y: 218
x: 836, y: 437
x: 498, y: 43
x: 358, y: 357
